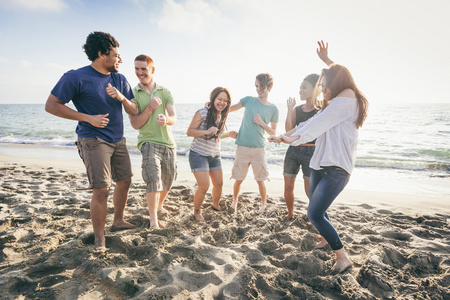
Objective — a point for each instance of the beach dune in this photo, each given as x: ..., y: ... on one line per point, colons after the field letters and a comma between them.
x: 399, y: 250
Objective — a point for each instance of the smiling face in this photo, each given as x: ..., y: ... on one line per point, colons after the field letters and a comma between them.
x: 112, y: 60
x: 144, y: 72
x: 221, y: 102
x: 306, y: 90
x: 263, y: 91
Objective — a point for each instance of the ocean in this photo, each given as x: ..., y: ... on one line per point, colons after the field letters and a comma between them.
x: 402, y: 147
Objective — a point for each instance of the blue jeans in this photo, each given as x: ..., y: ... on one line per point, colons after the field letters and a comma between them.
x: 325, y: 185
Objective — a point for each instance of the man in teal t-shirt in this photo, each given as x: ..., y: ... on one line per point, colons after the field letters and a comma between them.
x: 155, y: 140
x: 259, y: 112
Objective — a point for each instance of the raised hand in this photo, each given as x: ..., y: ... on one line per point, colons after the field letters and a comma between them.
x: 114, y: 93
x: 100, y: 121
x: 290, y: 103
x: 322, y: 52
x: 155, y: 103
x: 162, y: 120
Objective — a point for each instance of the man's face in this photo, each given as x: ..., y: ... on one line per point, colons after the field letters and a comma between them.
x: 143, y: 71
x: 263, y: 91
x: 113, y: 60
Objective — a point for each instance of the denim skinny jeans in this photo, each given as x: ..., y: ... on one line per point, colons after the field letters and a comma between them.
x: 324, y: 186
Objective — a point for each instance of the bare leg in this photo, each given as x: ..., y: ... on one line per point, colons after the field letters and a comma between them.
x: 263, y: 193
x: 152, y: 203
x: 217, y: 181
x: 342, y: 261
x: 289, y: 183
x: 99, y: 208
x: 120, y: 198
x: 306, y: 184
x: 236, y: 189
x: 203, y: 186
x: 162, y: 196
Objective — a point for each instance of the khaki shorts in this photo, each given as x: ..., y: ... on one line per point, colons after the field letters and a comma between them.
x: 246, y: 156
x: 104, y: 161
x: 159, y: 167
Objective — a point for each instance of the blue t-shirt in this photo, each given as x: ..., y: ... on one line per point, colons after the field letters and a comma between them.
x: 251, y: 134
x: 86, y: 87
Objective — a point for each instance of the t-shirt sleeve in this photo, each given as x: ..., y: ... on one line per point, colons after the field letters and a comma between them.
x: 66, y: 89
x: 168, y: 98
x: 127, y: 91
x: 245, y: 100
x: 275, y: 115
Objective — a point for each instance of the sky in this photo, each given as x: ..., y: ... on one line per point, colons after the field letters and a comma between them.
x: 397, y: 50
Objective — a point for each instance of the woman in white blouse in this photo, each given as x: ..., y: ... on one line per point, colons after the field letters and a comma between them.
x: 335, y: 127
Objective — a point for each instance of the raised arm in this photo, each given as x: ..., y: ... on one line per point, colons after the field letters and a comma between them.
x: 322, y: 52
x: 195, y: 124
x: 236, y: 106
x: 58, y: 108
x: 291, y: 114
x: 139, y: 120
x: 129, y: 105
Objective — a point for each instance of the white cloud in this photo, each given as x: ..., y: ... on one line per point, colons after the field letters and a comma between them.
x: 35, y: 5
x: 25, y: 63
x: 4, y: 60
x: 193, y: 17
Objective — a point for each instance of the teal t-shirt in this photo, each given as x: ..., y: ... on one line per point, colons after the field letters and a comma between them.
x: 251, y: 134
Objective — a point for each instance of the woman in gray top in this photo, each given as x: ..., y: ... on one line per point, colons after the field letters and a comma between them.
x: 207, y: 128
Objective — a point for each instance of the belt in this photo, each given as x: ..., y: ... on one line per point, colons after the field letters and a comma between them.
x: 332, y: 168
x: 308, y: 145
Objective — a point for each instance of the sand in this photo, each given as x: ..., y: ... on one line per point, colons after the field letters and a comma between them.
x: 399, y: 243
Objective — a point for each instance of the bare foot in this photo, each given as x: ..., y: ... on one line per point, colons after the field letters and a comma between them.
x: 233, y: 207
x: 342, y: 261
x: 99, y: 242
x: 216, y: 208
x: 342, y: 264
x: 321, y: 244
x: 289, y: 216
x: 199, y: 217
x: 162, y: 213
x: 162, y: 209
x: 154, y: 225
x: 262, y: 208
x: 122, y: 225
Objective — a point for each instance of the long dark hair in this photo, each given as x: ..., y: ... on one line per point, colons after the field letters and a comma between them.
x: 339, y: 78
x: 211, y: 117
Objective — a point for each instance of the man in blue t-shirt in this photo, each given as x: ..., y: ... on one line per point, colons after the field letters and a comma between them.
x: 259, y: 113
x: 98, y: 93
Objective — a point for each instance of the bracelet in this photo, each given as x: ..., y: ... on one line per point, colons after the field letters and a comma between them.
x: 331, y: 65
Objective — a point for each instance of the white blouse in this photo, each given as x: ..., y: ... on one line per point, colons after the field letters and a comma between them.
x: 336, y: 133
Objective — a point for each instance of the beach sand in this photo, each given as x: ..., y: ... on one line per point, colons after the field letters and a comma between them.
x: 399, y: 243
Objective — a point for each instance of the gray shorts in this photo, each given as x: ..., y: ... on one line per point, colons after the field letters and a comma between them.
x: 159, y: 167
x: 104, y: 161
x: 296, y: 157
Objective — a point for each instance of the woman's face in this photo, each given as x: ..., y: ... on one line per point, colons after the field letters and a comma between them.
x: 306, y: 90
x: 221, y: 102
x: 325, y: 92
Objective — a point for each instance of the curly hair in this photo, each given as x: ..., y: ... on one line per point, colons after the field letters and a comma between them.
x: 99, y: 41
